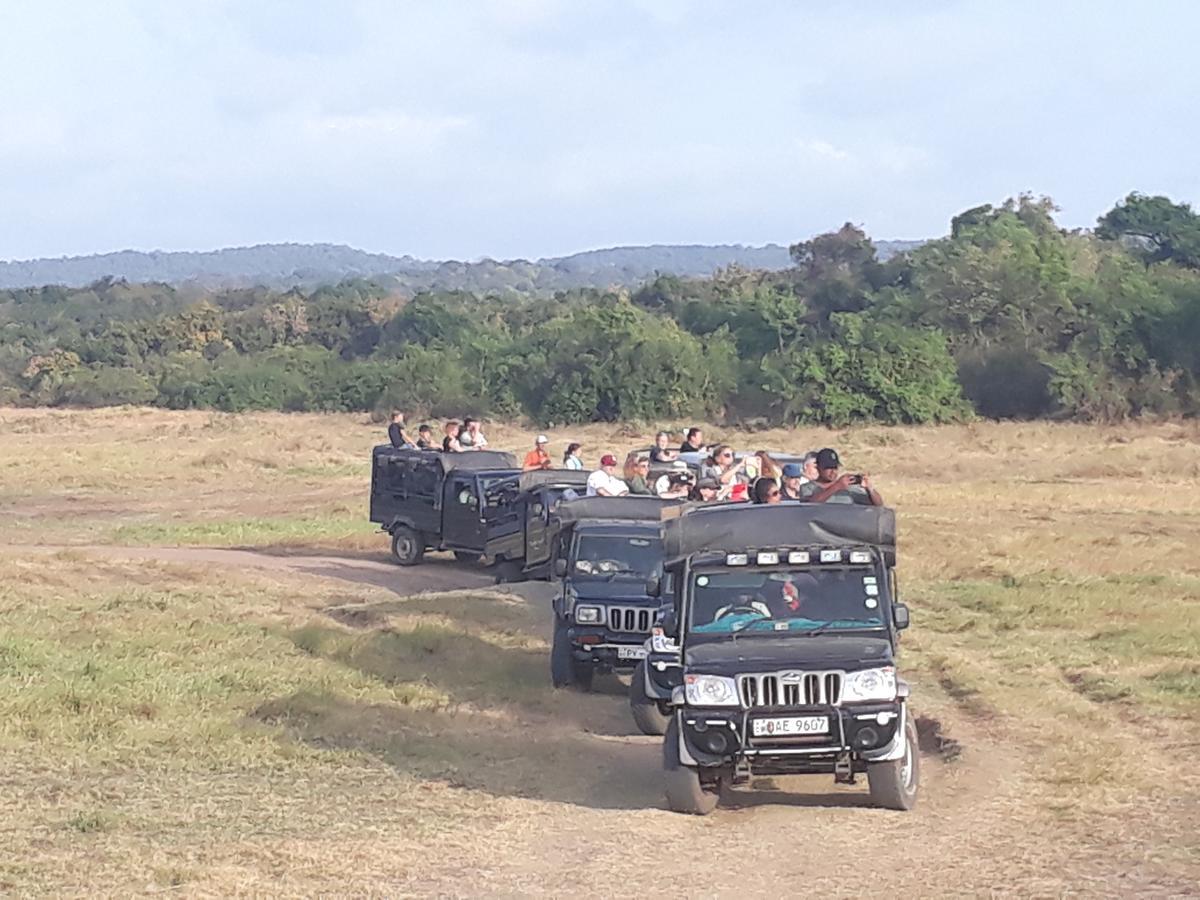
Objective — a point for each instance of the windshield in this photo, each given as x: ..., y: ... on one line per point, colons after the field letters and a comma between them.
x: 748, y: 602
x: 609, y: 557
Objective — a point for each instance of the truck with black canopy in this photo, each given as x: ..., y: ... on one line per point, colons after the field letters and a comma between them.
x: 608, y: 559
x: 522, y: 544
x: 477, y: 503
x: 778, y: 646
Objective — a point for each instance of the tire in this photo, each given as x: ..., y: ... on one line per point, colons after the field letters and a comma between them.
x: 685, y: 792
x: 582, y: 674
x: 408, y: 546
x: 562, y: 668
x: 894, y: 783
x: 509, y: 571
x: 647, y: 714
x: 466, y: 556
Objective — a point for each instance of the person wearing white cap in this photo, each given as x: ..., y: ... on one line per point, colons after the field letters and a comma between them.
x: 538, y: 458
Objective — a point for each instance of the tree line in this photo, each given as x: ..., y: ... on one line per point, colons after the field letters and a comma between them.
x: 1008, y: 316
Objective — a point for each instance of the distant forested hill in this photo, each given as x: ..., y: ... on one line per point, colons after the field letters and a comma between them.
x: 307, y: 265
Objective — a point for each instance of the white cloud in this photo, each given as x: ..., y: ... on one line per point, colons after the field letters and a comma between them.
x: 532, y: 127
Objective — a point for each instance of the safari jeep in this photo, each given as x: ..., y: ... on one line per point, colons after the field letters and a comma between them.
x: 786, y: 621
x: 476, y: 504
x: 609, y: 562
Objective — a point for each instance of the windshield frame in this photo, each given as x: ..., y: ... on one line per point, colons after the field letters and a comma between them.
x: 690, y: 573
x: 580, y: 536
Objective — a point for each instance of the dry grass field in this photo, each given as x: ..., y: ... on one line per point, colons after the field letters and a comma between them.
x: 212, y: 682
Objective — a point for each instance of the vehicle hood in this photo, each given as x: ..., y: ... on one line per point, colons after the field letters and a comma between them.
x: 612, y: 591
x: 765, y: 654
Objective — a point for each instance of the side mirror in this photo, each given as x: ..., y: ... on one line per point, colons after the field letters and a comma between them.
x: 560, y: 568
x: 900, y: 616
x: 670, y: 622
x: 653, y: 586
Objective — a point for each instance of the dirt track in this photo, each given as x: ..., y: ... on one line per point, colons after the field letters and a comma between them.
x: 598, y: 824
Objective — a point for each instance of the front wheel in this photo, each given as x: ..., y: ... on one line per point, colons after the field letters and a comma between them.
x: 408, y: 547
x: 686, y: 793
x: 647, y: 714
x: 894, y: 783
x: 561, y: 664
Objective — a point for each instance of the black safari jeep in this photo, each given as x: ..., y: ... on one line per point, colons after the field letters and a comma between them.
x: 440, y: 501
x: 786, y: 623
x: 522, y: 543
x: 608, y: 557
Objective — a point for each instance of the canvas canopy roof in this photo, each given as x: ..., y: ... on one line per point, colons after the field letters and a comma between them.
x: 640, y: 508
x: 742, y: 526
x: 569, y: 477
x: 472, y: 460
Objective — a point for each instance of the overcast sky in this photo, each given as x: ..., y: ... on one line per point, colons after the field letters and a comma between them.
x: 542, y: 127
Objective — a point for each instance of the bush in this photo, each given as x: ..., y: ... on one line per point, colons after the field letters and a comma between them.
x: 866, y: 371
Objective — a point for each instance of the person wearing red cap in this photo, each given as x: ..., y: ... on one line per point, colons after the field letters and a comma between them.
x: 604, y: 481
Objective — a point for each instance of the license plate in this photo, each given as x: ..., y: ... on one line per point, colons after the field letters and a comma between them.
x: 631, y: 653
x: 790, y: 726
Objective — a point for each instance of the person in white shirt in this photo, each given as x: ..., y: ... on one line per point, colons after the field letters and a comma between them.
x: 604, y: 481
x: 471, y: 436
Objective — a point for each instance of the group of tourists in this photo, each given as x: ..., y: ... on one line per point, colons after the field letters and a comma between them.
x: 722, y: 473
x: 727, y: 475
x: 457, y: 436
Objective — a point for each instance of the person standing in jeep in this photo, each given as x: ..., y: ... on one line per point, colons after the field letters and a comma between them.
x: 831, y: 487
x: 396, y: 434
x: 693, y: 442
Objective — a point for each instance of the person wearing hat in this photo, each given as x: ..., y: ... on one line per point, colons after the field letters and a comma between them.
x: 675, y: 484
x: 830, y: 487
x: 604, y: 481
x: 793, y: 480
x: 706, y: 490
x: 538, y: 458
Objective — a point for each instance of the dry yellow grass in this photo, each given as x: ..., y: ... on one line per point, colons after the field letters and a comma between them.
x: 176, y: 723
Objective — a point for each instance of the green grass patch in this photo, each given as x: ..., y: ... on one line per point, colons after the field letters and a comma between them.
x: 148, y: 677
x: 1098, y: 635
x: 247, y: 532
x: 434, y: 664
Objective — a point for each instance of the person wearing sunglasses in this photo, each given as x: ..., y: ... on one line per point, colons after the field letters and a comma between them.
x: 722, y: 466
x: 765, y: 490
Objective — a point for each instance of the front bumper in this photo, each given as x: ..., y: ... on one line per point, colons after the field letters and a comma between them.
x: 868, y: 732
x: 606, y: 650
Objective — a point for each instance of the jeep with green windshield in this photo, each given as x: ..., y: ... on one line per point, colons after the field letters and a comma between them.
x: 782, y: 627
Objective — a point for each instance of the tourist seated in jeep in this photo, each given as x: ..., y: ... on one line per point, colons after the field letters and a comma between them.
x: 832, y: 487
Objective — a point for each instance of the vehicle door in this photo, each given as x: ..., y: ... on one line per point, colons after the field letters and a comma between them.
x: 463, y: 524
x: 537, y: 526
x: 503, y: 514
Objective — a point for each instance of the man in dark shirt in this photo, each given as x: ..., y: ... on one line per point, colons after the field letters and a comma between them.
x: 693, y: 442
x: 830, y: 487
x: 396, y: 431
x: 425, y: 438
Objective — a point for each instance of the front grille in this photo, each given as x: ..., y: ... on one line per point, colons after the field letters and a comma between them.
x: 790, y: 689
x: 630, y: 619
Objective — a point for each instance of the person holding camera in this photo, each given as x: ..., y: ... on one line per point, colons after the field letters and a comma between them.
x: 675, y: 484
x: 831, y: 487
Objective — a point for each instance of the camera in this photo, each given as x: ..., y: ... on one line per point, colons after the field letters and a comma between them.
x: 675, y: 479
x: 856, y: 479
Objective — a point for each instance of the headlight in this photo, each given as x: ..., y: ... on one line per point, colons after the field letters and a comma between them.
x: 710, y: 690
x: 870, y: 684
x: 588, y: 615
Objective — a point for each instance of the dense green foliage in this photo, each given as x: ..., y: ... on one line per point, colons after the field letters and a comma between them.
x: 1007, y: 316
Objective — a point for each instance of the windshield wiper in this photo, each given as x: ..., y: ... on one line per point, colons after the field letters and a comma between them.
x: 820, y: 629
